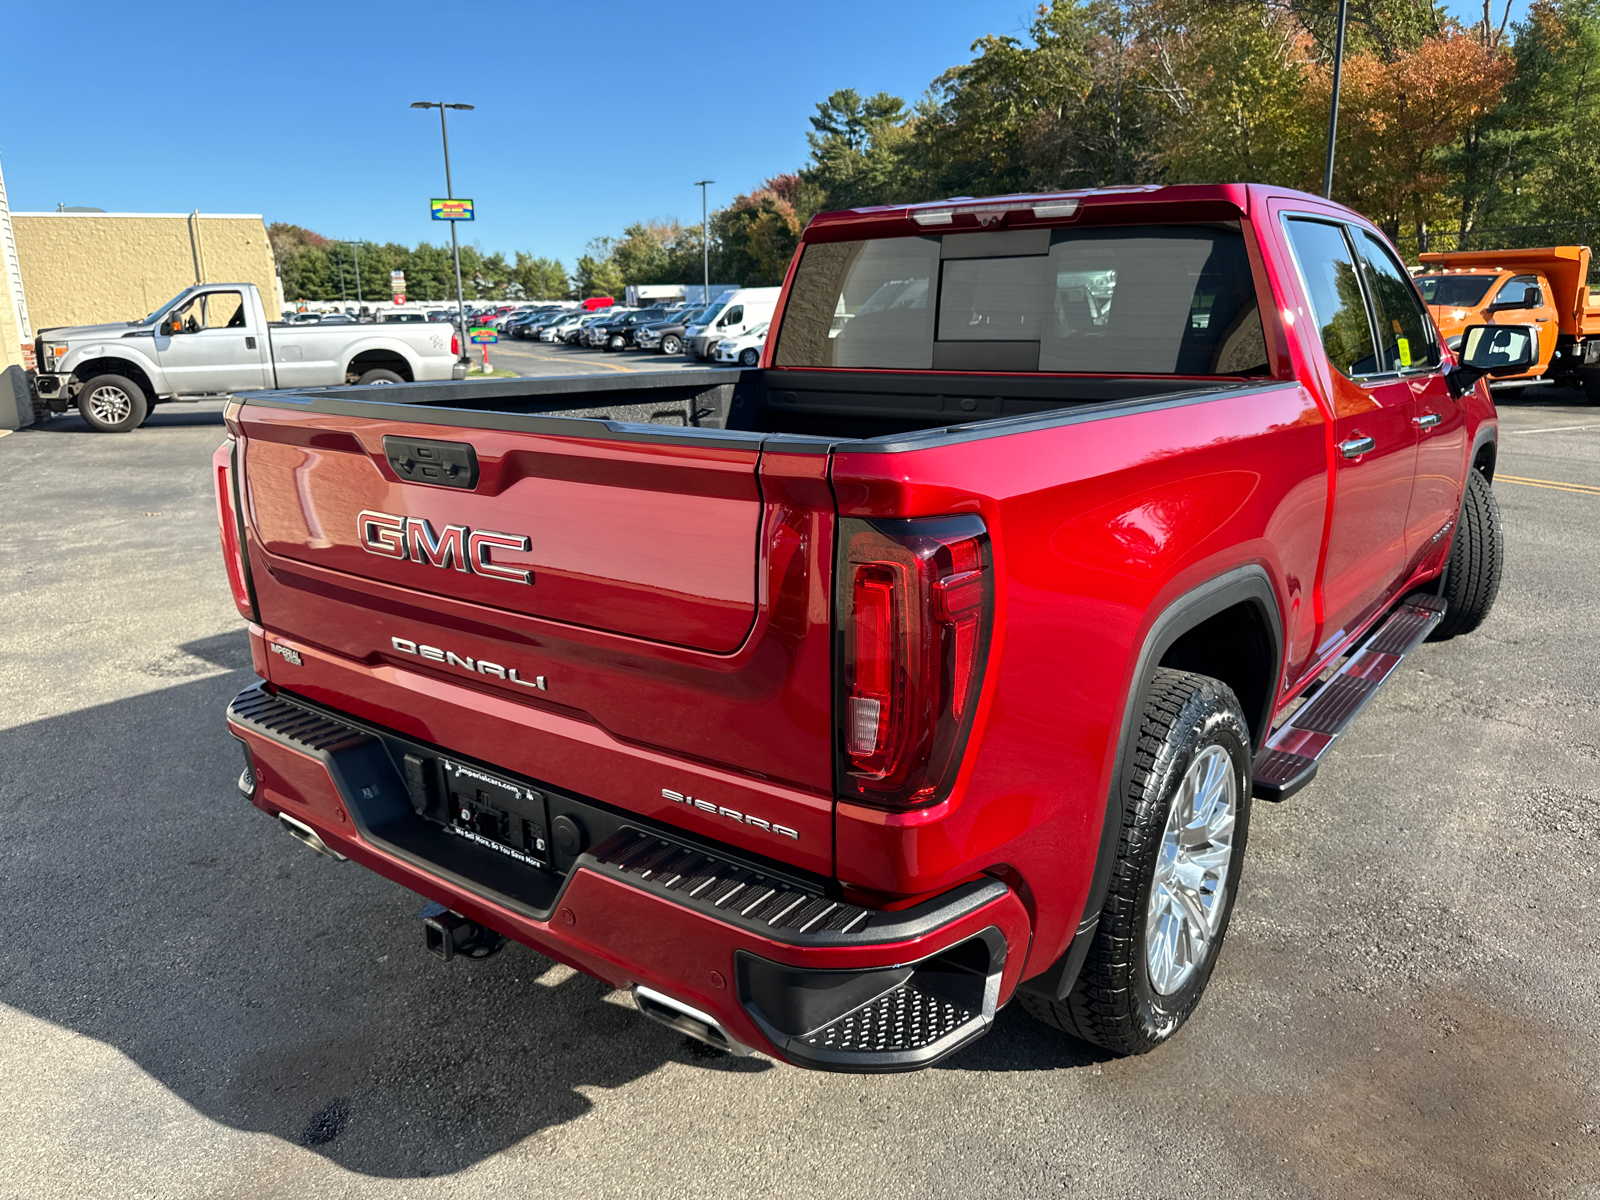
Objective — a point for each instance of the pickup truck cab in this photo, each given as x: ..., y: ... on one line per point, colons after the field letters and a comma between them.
x: 1543, y: 288
x: 932, y: 665
x: 214, y: 340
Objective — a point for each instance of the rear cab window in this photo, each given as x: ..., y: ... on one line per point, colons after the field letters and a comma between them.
x: 1126, y: 300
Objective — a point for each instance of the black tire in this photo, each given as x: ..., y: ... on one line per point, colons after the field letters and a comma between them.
x: 1591, y: 386
x: 672, y: 344
x: 1115, y: 1003
x: 380, y: 375
x: 112, y: 404
x: 749, y: 358
x: 1472, y: 572
x: 616, y: 342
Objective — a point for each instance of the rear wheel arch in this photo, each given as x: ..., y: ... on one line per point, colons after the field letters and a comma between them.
x: 379, y: 360
x: 1189, y: 628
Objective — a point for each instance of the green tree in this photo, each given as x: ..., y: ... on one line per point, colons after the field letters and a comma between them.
x: 541, y: 278
x: 597, y: 272
x: 1234, y: 85
x: 857, y: 149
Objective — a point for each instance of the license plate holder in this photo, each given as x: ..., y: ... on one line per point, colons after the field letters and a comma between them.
x: 497, y: 813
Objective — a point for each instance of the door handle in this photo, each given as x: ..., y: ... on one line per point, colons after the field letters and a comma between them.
x: 1356, y: 447
x: 249, y: 343
x: 1427, y: 420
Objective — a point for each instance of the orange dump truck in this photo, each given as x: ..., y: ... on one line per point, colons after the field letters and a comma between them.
x: 1545, y: 288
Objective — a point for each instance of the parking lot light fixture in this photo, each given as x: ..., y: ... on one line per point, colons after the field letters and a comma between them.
x: 705, y: 235
x: 449, y: 191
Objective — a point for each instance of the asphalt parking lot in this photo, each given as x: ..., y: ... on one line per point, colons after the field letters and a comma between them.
x: 543, y: 358
x: 192, y: 1005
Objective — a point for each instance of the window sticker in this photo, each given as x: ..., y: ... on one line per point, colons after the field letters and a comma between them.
x: 1403, y: 348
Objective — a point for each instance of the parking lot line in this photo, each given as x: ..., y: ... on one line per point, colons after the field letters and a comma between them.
x: 1583, y: 489
x: 1556, y: 429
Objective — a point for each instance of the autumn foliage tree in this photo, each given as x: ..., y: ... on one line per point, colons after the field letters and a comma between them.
x: 1396, y: 119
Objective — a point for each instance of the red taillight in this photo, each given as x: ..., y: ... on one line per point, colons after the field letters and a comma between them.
x: 232, y: 529
x: 455, y: 345
x: 914, y: 600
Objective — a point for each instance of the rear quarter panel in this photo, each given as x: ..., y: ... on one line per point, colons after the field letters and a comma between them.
x: 1097, y: 526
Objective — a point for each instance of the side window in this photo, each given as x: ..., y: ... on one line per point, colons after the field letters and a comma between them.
x: 1514, y: 289
x: 1334, y: 289
x: 733, y: 316
x: 1407, y: 335
x: 223, y: 310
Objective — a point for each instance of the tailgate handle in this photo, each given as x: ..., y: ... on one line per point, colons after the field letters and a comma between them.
x: 447, y: 464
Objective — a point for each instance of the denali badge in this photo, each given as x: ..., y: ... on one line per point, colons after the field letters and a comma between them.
x: 467, y: 550
x: 480, y: 666
x: 717, y: 810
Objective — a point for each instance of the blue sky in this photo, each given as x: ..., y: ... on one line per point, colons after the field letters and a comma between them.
x: 588, y: 116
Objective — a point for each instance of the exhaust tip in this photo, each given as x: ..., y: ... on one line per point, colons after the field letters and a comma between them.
x: 307, y: 836
x: 675, y: 1014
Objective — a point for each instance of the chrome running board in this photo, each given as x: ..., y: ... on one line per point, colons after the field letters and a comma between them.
x: 1288, y: 761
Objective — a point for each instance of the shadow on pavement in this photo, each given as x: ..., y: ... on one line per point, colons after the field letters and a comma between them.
x: 165, y: 415
x: 151, y: 908
x: 1542, y: 396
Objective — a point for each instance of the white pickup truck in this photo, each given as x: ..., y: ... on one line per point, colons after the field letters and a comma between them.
x: 213, y: 340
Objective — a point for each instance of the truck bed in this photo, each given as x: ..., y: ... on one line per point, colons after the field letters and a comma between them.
x: 823, y: 405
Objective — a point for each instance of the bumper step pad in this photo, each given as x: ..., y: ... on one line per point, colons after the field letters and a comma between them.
x: 902, y: 1020
x: 1289, y: 759
x: 735, y: 893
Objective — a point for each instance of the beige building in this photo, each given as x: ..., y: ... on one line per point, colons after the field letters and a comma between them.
x: 83, y: 268
x: 16, y: 335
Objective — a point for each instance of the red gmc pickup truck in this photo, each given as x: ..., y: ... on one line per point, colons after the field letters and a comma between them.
x: 832, y: 705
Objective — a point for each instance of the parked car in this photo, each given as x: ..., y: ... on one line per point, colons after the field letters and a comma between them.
x: 598, y: 334
x: 620, y: 333
x: 730, y: 314
x: 535, y: 329
x: 830, y: 745
x: 214, y: 340
x: 745, y: 349
x: 667, y: 336
x: 574, y: 336
x: 401, y: 318
x: 557, y: 329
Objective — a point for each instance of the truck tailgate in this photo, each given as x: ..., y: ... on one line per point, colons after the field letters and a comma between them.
x: 652, y: 541
x: 676, y: 598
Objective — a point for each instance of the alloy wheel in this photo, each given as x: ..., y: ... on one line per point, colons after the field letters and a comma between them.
x: 110, y: 404
x: 1187, y: 892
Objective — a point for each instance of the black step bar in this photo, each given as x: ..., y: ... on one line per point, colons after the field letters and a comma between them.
x: 1288, y: 761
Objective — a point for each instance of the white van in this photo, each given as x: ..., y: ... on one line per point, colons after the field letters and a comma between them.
x: 731, y: 314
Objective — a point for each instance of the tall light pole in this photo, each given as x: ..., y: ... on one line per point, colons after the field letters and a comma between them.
x: 356, y: 246
x: 455, y: 245
x: 1333, y: 109
x: 705, y: 235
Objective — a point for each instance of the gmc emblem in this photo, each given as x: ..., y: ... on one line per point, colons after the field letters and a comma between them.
x: 466, y: 550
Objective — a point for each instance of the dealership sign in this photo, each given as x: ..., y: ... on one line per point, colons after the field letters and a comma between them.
x: 452, y: 210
